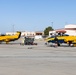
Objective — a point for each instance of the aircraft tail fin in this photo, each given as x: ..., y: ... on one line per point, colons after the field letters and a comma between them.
x: 19, y: 34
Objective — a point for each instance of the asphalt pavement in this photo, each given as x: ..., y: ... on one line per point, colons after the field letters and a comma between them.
x: 16, y: 59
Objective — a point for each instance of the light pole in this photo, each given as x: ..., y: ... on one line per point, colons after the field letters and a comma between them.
x: 66, y: 23
x: 52, y: 24
x: 13, y: 29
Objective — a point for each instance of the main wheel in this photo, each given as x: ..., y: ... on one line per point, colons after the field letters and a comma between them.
x: 70, y: 42
x: 58, y: 44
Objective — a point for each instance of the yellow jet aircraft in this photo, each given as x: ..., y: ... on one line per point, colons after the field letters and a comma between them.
x: 9, y: 38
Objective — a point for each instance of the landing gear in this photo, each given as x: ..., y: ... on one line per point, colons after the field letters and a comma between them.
x: 0, y: 42
x: 70, y: 42
x: 58, y: 44
x: 7, y: 42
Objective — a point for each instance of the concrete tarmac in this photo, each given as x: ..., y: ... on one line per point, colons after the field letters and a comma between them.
x: 16, y: 59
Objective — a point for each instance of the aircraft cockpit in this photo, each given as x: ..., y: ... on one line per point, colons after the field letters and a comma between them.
x: 2, y: 34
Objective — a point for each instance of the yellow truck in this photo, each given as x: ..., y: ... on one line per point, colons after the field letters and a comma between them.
x: 9, y: 38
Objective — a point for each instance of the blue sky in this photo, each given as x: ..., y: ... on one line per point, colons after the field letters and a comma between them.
x: 36, y: 15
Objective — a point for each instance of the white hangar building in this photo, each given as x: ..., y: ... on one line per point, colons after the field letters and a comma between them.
x: 68, y: 29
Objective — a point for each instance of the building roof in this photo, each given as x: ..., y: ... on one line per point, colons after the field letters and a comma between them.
x: 70, y: 26
x: 60, y: 31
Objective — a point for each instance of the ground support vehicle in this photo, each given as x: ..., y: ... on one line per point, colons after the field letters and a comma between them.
x: 28, y: 41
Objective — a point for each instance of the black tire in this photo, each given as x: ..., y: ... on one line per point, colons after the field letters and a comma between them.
x: 58, y: 44
x: 70, y: 42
